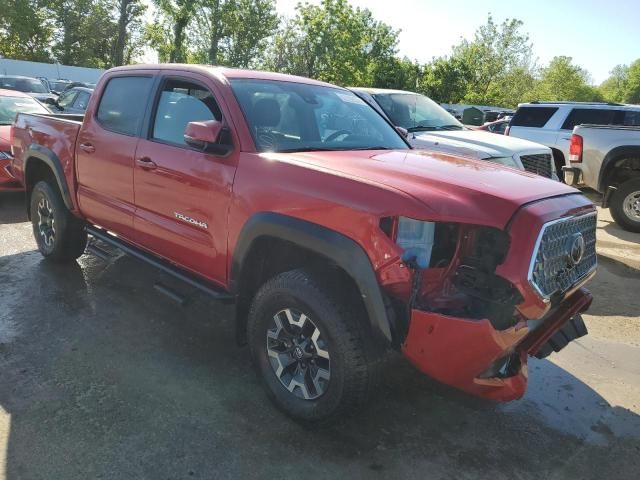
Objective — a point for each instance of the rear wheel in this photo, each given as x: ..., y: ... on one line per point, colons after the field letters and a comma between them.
x: 308, y: 348
x: 60, y: 236
x: 625, y: 205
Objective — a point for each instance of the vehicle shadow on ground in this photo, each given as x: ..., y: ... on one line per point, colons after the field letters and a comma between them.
x: 613, y: 229
x: 608, y: 298
x: 104, y: 378
x: 12, y: 208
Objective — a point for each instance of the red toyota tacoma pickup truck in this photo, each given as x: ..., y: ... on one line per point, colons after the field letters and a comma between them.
x: 299, y: 203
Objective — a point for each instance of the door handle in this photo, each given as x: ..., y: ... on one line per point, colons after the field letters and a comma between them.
x: 87, y: 147
x: 146, y: 163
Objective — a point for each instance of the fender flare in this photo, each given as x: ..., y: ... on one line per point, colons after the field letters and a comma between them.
x: 338, y: 248
x: 614, y: 154
x: 53, y: 162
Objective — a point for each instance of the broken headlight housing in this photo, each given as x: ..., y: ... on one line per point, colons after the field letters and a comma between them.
x: 416, y: 238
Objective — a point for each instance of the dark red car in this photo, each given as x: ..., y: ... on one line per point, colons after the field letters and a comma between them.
x: 299, y: 203
x: 12, y: 103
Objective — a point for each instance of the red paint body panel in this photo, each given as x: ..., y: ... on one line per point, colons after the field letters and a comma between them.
x: 456, y: 351
x: 8, y: 183
x: 345, y: 191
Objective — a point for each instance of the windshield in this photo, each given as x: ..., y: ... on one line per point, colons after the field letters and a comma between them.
x: 10, y: 106
x: 29, y: 85
x: 289, y: 117
x: 416, y: 112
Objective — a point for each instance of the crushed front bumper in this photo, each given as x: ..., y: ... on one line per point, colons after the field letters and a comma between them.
x: 460, y: 351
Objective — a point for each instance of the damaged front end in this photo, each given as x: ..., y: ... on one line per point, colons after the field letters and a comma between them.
x: 467, y: 311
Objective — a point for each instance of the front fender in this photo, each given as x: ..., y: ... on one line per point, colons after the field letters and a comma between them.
x: 336, y: 247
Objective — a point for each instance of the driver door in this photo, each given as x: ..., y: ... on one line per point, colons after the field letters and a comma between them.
x: 182, y: 195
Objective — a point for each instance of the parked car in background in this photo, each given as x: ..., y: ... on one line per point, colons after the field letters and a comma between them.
x: 296, y: 201
x: 431, y: 127
x: 58, y: 85
x: 11, y: 103
x: 29, y: 85
x: 606, y: 158
x: 551, y: 123
x: 74, y: 100
x: 499, y: 126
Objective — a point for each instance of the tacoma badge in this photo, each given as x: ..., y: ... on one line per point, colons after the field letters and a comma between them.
x: 190, y: 220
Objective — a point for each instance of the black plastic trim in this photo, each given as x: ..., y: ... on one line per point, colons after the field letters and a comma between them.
x: 338, y: 248
x: 618, y: 153
x: 161, y: 264
x: 53, y: 162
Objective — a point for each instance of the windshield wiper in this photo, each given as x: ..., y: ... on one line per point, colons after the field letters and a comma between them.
x: 450, y: 127
x: 421, y: 128
x: 307, y: 149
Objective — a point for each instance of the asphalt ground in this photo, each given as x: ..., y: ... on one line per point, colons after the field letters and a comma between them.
x: 101, y: 377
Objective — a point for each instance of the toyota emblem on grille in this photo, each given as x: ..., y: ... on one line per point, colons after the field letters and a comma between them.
x: 575, y: 250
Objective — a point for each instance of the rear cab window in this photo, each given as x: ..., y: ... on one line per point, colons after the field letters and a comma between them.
x: 536, y: 117
x: 123, y: 103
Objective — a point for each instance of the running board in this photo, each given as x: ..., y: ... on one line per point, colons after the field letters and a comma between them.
x: 167, y: 267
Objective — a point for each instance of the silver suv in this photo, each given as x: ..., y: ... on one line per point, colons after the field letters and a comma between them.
x: 551, y: 123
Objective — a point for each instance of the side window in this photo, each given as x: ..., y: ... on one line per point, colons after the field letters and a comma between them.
x: 122, y: 104
x: 181, y: 102
x: 82, y: 101
x: 536, y: 117
x: 593, y: 116
x: 66, y: 99
x: 631, y: 118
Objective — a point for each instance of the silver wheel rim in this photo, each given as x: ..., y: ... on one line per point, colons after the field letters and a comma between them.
x: 631, y: 206
x: 46, y: 222
x: 298, y: 354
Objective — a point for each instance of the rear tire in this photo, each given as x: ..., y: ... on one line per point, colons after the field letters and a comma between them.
x: 330, y: 373
x: 625, y: 205
x: 60, y: 236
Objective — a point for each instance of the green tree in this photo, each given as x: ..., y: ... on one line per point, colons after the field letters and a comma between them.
x: 169, y: 34
x: 632, y: 91
x: 334, y: 42
x: 445, y: 80
x: 84, y: 32
x: 562, y: 80
x: 613, y: 89
x: 26, y: 30
x: 234, y: 32
x: 128, y: 14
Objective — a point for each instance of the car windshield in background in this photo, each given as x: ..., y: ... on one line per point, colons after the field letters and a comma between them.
x: 27, y: 85
x: 11, y: 106
x: 416, y: 112
x: 294, y: 117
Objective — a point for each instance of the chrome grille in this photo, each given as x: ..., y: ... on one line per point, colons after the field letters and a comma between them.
x: 552, y: 270
x: 539, y: 164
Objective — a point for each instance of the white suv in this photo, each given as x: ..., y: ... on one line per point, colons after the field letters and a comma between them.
x: 551, y: 123
x: 431, y: 127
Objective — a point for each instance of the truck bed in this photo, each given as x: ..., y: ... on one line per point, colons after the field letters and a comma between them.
x: 46, y: 135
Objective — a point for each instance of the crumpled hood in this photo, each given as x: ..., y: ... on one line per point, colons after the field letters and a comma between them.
x: 474, y: 144
x: 453, y: 189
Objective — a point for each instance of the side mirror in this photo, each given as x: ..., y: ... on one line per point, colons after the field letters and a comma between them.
x: 403, y: 131
x: 205, y: 136
x: 50, y: 101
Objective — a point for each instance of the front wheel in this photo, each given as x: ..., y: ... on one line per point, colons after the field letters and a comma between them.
x: 308, y: 347
x: 625, y: 205
x: 60, y: 236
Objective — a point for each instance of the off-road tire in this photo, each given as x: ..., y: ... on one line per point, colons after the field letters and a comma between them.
x: 617, y: 205
x: 70, y: 238
x: 347, y: 340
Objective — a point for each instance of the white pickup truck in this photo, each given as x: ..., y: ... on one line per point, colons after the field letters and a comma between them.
x: 606, y: 158
x: 431, y: 127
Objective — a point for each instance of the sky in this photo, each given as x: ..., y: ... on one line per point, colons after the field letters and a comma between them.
x: 598, y: 34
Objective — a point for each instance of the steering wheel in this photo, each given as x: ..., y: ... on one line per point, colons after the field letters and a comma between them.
x: 336, y: 134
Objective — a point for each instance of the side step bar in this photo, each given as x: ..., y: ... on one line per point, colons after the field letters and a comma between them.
x: 167, y: 267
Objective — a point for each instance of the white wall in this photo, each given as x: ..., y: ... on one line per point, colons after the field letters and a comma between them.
x: 49, y: 70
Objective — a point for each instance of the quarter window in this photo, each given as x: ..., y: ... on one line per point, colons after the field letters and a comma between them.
x: 123, y: 103
x: 536, y: 117
x: 181, y: 102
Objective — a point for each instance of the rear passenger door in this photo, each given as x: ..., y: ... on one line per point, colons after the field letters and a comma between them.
x: 105, y: 151
x: 182, y: 195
